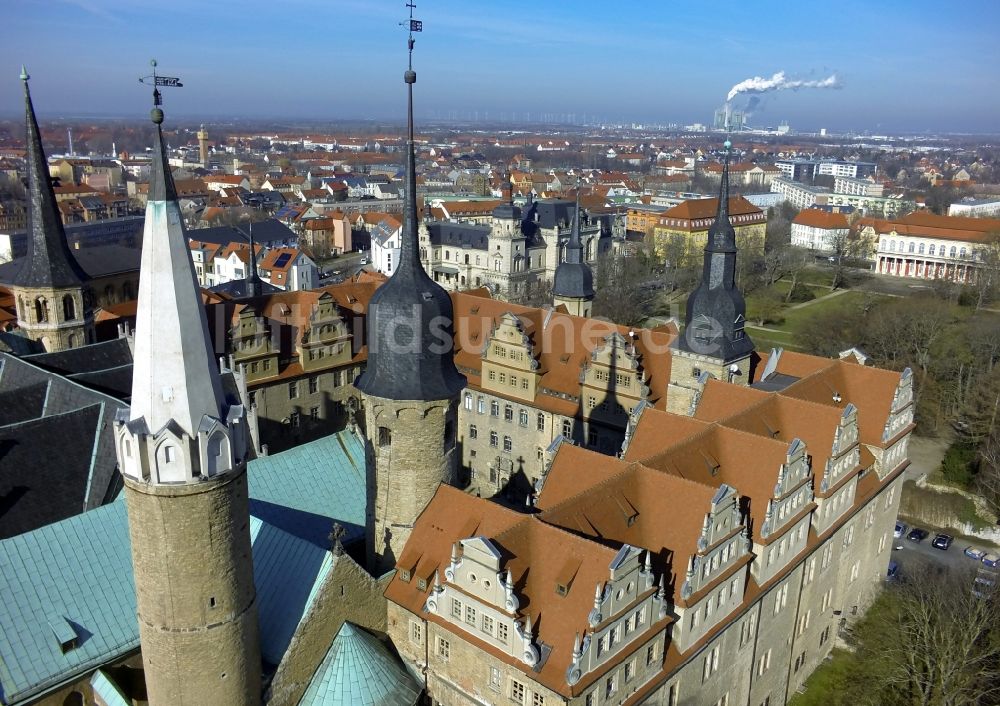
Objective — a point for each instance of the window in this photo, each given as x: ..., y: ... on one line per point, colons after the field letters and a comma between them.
x: 487, y: 624
x: 502, y: 632
x: 541, y: 422
x: 747, y: 629
x: 810, y: 571
x: 507, y: 444
x: 609, y: 687
x: 470, y: 615
x: 592, y: 437
x: 524, y: 383
x: 443, y: 649
x: 764, y: 663
x: 537, y: 699
x: 804, y: 622
x: 468, y: 401
x: 651, y: 652
x: 523, y: 418
x: 567, y: 429
x: 780, y: 598
x: 293, y: 420
x: 508, y: 413
x: 724, y: 701
x: 493, y: 375
x: 314, y: 413
x: 513, y: 380
x: 313, y: 385
x: 502, y: 377
x: 481, y: 405
x: 473, y: 432
x: 416, y: 632
x: 384, y: 436
x: 855, y: 568
x: 495, y: 678
x: 711, y: 665
x: 494, y: 408
x: 293, y: 390
x: 456, y: 608
x: 516, y: 691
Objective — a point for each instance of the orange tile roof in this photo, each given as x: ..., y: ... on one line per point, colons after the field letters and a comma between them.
x: 815, y: 218
x: 696, y: 209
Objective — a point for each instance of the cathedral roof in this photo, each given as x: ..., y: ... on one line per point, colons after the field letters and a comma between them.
x: 360, y: 670
x: 49, y: 262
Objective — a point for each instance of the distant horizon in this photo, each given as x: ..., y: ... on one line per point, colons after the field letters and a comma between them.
x: 512, y: 61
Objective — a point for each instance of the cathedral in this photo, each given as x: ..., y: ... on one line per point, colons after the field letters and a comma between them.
x: 744, y: 501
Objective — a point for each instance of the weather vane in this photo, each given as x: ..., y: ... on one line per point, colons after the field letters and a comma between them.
x: 157, y: 81
x: 415, y: 26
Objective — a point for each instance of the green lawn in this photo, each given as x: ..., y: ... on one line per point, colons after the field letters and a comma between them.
x: 825, y: 685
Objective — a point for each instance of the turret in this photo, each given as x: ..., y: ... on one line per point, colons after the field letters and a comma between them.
x: 410, y: 386
x: 50, y: 288
x: 182, y: 449
x: 573, y: 284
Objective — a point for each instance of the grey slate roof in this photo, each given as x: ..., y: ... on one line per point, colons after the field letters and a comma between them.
x: 93, y: 262
x: 268, y: 233
x: 465, y: 235
x: 85, y: 359
x: 48, y: 262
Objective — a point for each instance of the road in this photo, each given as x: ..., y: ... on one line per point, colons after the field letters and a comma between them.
x: 347, y: 265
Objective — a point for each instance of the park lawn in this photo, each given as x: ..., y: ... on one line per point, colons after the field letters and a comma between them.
x: 795, y: 318
x: 825, y: 685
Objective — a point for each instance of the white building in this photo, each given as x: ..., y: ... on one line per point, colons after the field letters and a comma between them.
x: 386, y: 241
x: 289, y: 269
x: 819, y: 230
x: 857, y: 187
x: 975, y: 208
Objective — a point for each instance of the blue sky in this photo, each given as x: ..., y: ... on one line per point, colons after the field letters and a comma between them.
x: 904, y: 65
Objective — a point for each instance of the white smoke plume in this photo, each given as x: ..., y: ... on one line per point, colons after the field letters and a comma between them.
x: 778, y: 82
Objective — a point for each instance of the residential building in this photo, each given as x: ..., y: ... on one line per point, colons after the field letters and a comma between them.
x: 289, y: 269
x: 975, y: 208
x: 820, y: 230
x: 386, y: 242
x: 857, y: 187
x: 805, y: 196
x: 745, y: 175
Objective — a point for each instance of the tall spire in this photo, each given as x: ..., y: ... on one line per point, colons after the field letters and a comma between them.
x: 716, y: 310
x: 410, y: 317
x: 573, y: 278
x: 254, y: 283
x: 49, y: 262
x: 175, y: 376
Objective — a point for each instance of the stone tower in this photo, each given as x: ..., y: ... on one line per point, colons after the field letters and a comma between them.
x: 410, y: 387
x: 203, y: 146
x: 573, y: 283
x: 182, y: 450
x: 713, y: 341
x: 50, y: 290
x: 507, y: 259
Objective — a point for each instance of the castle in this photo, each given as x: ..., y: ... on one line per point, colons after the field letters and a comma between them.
x: 710, y: 557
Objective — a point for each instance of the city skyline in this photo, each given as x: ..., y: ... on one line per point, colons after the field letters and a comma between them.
x: 342, y: 62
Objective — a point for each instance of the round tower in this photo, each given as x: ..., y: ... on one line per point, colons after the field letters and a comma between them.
x: 182, y: 450
x: 203, y: 145
x: 50, y: 291
x: 573, y: 282
x: 410, y: 387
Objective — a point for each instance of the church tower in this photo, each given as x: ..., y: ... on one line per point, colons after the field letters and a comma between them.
x: 508, y: 248
x: 410, y: 387
x: 183, y: 449
x: 713, y: 341
x: 573, y: 284
x: 50, y: 290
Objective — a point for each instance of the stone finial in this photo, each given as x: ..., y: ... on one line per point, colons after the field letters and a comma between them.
x: 336, y: 534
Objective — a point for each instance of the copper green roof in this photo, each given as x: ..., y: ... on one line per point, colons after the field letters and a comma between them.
x: 70, y: 584
x: 360, y: 670
x: 109, y: 692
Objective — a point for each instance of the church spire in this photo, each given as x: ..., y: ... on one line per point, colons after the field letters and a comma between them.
x: 255, y: 285
x: 49, y: 262
x: 716, y: 310
x: 410, y: 317
x: 175, y: 378
x: 573, y: 282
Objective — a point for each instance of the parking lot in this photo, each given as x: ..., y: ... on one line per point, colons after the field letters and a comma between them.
x: 914, y: 556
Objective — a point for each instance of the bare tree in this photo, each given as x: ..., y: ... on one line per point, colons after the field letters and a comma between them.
x: 987, y: 286
x: 933, y: 640
x: 625, y: 288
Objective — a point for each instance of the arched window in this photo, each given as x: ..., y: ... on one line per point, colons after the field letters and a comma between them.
x: 930, y: 250
x: 71, y: 340
x: 913, y: 246
x: 384, y: 436
x: 69, y: 308
x: 892, y: 246
x: 494, y: 439
x: 218, y: 454
x: 127, y: 291
x: 41, y: 310
x: 952, y: 251
x: 921, y: 248
x: 961, y: 253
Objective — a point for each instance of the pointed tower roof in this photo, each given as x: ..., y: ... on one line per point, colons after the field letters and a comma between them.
x: 573, y: 278
x: 410, y: 317
x: 175, y: 377
x: 716, y: 310
x: 254, y: 284
x: 49, y: 262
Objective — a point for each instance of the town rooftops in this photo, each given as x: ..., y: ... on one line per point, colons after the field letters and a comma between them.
x: 816, y: 218
x: 705, y: 209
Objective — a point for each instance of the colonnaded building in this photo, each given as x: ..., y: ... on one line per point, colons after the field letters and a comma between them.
x: 738, y: 517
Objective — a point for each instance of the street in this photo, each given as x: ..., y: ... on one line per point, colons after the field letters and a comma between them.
x: 346, y: 266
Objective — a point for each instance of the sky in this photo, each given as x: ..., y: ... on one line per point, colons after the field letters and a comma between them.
x: 902, y: 65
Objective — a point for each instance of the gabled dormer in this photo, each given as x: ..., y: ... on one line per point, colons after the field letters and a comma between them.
x: 509, y: 364
x: 901, y: 410
x: 253, y: 347
x: 783, y: 531
x: 327, y: 340
x: 845, y: 453
x: 613, y: 381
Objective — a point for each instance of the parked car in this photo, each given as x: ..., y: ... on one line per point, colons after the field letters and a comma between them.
x: 991, y: 560
x: 900, y: 530
x: 364, y: 261
x: 917, y: 535
x: 942, y: 541
x: 974, y: 553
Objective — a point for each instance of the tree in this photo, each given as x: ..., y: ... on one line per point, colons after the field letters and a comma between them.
x: 625, y: 288
x: 931, y: 640
x: 987, y: 286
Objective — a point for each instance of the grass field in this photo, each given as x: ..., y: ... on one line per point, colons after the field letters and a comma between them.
x: 783, y: 335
